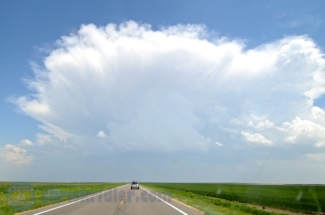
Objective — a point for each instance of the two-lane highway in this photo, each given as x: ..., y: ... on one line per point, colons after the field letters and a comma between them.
x: 118, y: 201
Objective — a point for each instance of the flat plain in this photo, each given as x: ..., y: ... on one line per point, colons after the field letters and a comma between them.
x: 298, y: 198
x: 210, y: 198
x: 47, y: 193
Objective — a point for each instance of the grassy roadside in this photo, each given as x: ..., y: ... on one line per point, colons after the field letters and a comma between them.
x: 297, y: 198
x: 208, y: 205
x: 46, y: 194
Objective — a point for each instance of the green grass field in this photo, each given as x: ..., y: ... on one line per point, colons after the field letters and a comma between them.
x: 210, y: 206
x: 299, y: 198
x: 226, y: 198
x: 50, y: 193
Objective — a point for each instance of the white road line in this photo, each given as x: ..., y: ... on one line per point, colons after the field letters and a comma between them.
x: 179, y: 210
x: 61, y: 206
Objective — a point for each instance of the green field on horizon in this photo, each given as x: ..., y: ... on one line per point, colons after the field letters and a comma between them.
x: 303, y: 198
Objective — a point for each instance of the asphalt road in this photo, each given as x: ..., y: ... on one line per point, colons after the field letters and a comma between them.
x: 118, y: 201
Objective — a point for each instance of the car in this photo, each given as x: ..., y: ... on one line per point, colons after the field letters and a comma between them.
x: 135, y: 185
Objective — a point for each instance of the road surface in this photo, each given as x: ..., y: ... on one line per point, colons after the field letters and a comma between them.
x: 118, y: 201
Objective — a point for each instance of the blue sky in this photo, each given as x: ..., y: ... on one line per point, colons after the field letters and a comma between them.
x: 233, y: 90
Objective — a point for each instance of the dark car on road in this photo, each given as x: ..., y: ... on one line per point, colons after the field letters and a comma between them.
x: 135, y: 185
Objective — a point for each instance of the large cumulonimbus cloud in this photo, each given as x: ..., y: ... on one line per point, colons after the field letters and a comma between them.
x: 130, y: 87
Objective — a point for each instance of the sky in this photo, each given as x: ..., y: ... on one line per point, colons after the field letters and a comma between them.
x: 170, y: 91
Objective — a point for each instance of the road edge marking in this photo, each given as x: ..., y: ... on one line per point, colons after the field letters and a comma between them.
x: 179, y: 210
x: 61, y: 206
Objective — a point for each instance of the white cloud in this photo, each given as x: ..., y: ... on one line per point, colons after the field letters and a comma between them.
x: 26, y: 142
x: 318, y: 85
x: 315, y: 92
x: 259, y: 122
x: 55, y: 131
x: 15, y: 155
x: 318, y: 114
x: 170, y: 89
x: 101, y: 134
x: 43, y: 138
x: 305, y: 131
x: 218, y: 143
x: 256, y: 138
x: 316, y: 157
